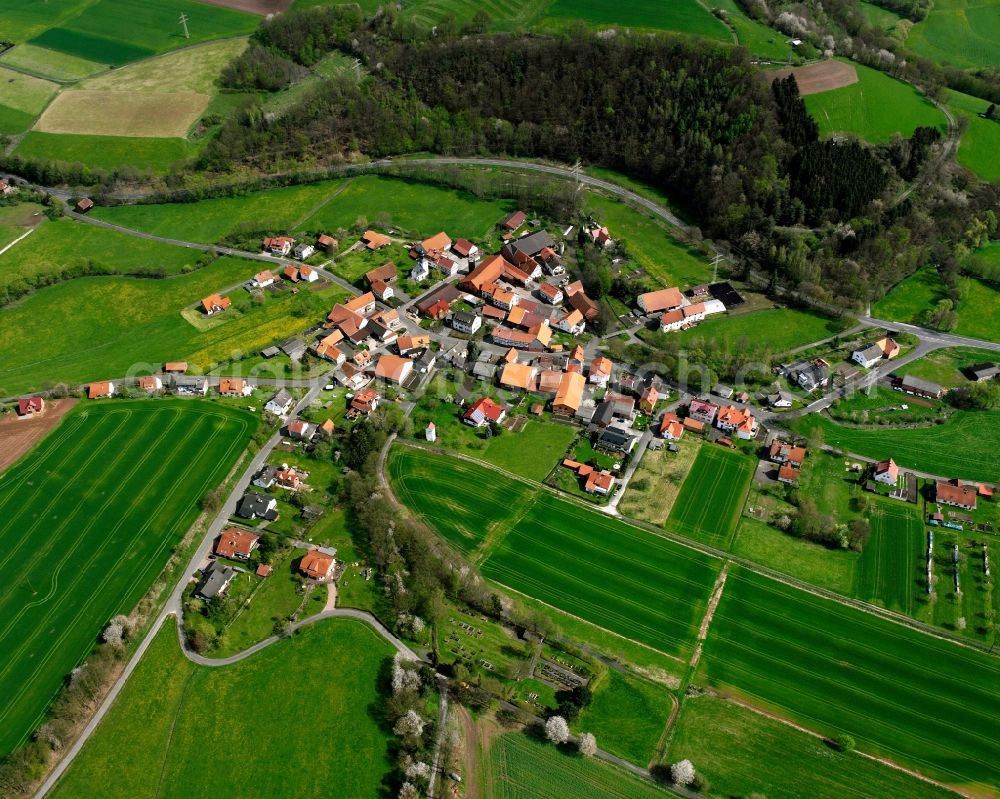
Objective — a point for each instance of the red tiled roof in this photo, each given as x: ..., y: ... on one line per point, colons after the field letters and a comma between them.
x: 316, y: 564
x: 234, y: 542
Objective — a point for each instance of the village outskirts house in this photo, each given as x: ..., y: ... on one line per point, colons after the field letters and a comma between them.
x: 280, y: 404
x: 483, y: 412
x: 255, y: 505
x: 263, y: 279
x: 954, y: 493
x: 234, y: 387
x: 278, y: 245
x: 236, y: 543
x: 883, y: 349
x: 214, y: 304
x: 319, y: 564
x: 215, y: 580
x: 29, y: 406
x: 886, y: 472
x: 101, y: 390
x: 919, y: 387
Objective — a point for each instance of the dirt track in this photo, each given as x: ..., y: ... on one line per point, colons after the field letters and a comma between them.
x: 261, y: 7
x: 17, y: 436
x: 821, y: 77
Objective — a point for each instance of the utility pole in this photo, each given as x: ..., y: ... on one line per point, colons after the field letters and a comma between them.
x: 577, y: 167
x: 715, y: 267
x: 184, y: 22
x: 357, y: 69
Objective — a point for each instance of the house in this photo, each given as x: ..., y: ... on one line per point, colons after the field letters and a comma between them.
x: 437, y: 310
x: 265, y: 477
x: 408, y: 344
x: 234, y: 387
x: 327, y: 244
x: 981, y: 372
x: 514, y: 221
x: 780, y: 399
x: 622, y: 406
x: 788, y: 474
x: 739, y: 420
x: 616, y: 439
x: 288, y: 478
x: 421, y: 271
x: 886, y: 472
x: 303, y: 251
x: 393, y: 369
x: 294, y: 348
x: 671, y: 428
x: 537, y: 337
x: 519, y: 376
x: 464, y: 248
x: 280, y: 404
x: 215, y: 579
x: 101, y: 390
x: 301, y: 430
x: 648, y: 400
x: 921, y: 388
x: 375, y: 241
x: 572, y: 323
x: 810, y: 375
x: 365, y: 401
x: 569, y: 395
x: 292, y: 273
x: 483, y: 412
x: 600, y: 371
x: 723, y: 391
x: 437, y: 243
x: 263, y: 279
x: 600, y: 236
x: 327, y: 348
x: 319, y: 563
x: 465, y: 322
x: 83, y: 205
x: 783, y: 453
x: 519, y: 250
x: 548, y: 381
x: 278, y: 245
x: 951, y: 492
x: 29, y: 406
x: 308, y: 274
x: 389, y: 319
x: 661, y: 301
x: 362, y: 305
x: 551, y: 294
x: 702, y: 411
x: 150, y: 384
x: 604, y: 415
x: 353, y: 376
x: 599, y: 482
x: 694, y: 425
x: 213, y: 304
x: 387, y: 273
x: 236, y: 543
x: 327, y: 429
x: 254, y: 505
x: 884, y: 348
x: 175, y: 367
x: 578, y: 299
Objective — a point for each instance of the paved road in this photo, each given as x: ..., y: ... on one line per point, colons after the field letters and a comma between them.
x: 932, y: 336
x: 640, y: 449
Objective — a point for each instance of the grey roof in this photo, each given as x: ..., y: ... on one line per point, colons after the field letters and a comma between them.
x: 984, y: 371
x: 464, y: 317
x: 723, y: 391
x: 281, y: 398
x: 604, y: 413
x: 615, y: 438
x: 254, y: 505
x: 214, y: 580
x: 920, y: 384
x: 484, y: 370
x: 266, y: 474
x: 269, y: 352
x: 872, y: 352
x: 533, y: 243
x: 294, y: 348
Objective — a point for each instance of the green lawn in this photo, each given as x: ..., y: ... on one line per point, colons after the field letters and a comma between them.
x: 875, y: 108
x: 666, y: 261
x: 49, y: 63
x: 776, y: 329
x: 923, y: 702
x: 711, y: 500
x: 965, y: 33
x: 760, y: 39
x: 965, y: 446
x: 979, y: 311
x: 107, y: 325
x: 106, y: 152
x: 981, y: 140
x: 119, y: 31
x: 945, y: 366
x: 627, y: 716
x: 680, y: 16
x: 89, y: 519
x: 302, y: 707
x: 524, y: 768
x: 880, y: 18
x: 909, y: 299
x: 742, y: 752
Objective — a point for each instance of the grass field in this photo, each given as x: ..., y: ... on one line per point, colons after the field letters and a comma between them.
x: 742, y: 752
x: 619, y: 577
x: 178, y: 725
x: 909, y: 299
x: 49, y: 63
x: 107, y: 152
x: 524, y: 768
x: 875, y: 108
x: 653, y: 489
x: 462, y: 501
x: 965, y: 446
x: 945, y: 366
x: 711, y: 499
x: 979, y: 311
x: 22, y: 98
x: 89, y: 519
x: 965, y: 33
x: 981, y: 140
x: 891, y: 568
x: 761, y: 40
x: 921, y: 701
x: 119, y: 31
x: 118, y: 113
x: 776, y: 329
x: 880, y: 18
x: 680, y: 16
x: 22, y: 19
x: 627, y: 716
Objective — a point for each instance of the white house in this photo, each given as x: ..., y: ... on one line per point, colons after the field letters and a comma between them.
x: 465, y: 322
x: 280, y: 404
x: 308, y: 274
x: 867, y: 356
x: 303, y: 251
x: 421, y: 271
x: 262, y: 279
x: 573, y: 323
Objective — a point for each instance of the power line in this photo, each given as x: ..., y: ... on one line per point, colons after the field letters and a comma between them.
x: 184, y: 22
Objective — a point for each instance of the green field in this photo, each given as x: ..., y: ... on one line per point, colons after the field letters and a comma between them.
x: 619, y: 577
x: 681, y: 16
x: 776, y: 329
x: 107, y: 325
x: 22, y: 19
x: 945, y: 366
x: 979, y: 311
x: 965, y: 446
x: 22, y: 98
x: 891, y: 568
x: 627, y: 716
x: 298, y: 714
x: 981, y: 140
x: 875, y: 108
x: 711, y: 500
x: 49, y: 63
x: 761, y: 40
x: 909, y: 299
x: 89, y: 519
x: 880, y: 18
x: 524, y: 768
x: 965, y: 33
x: 119, y: 31
x: 462, y: 501
x: 918, y: 700
x: 106, y: 152
x: 741, y: 752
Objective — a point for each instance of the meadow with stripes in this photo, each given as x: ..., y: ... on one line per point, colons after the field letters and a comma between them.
x: 87, y: 521
x: 711, y: 498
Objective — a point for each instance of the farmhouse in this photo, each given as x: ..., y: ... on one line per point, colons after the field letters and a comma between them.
x: 514, y: 221
x: 527, y: 247
x: 301, y: 430
x: 578, y: 299
x: 520, y: 376
x: 257, y: 506
x: 671, y: 427
x: 393, y: 369
x: 327, y: 243
x: 884, y: 348
x: 150, y: 384
x: 101, y: 390
x: 951, y: 492
x: 327, y: 348
x: 278, y: 245
x: 739, y: 420
x: 280, y: 404
x: 788, y: 474
x: 484, y: 411
x: 365, y: 401
x: 234, y: 387
x: 375, y: 241
x: 660, y: 301
x: 569, y: 395
x: 319, y: 564
x: 783, y: 453
x: 236, y: 543
x: 387, y: 273
x: 921, y: 388
x: 263, y: 279
x: 886, y: 472
x: 464, y: 248
x: 465, y: 322
x: 537, y: 337
x: 29, y: 406
x: 702, y: 411
x: 214, y: 303
x: 214, y: 581
x: 600, y: 371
